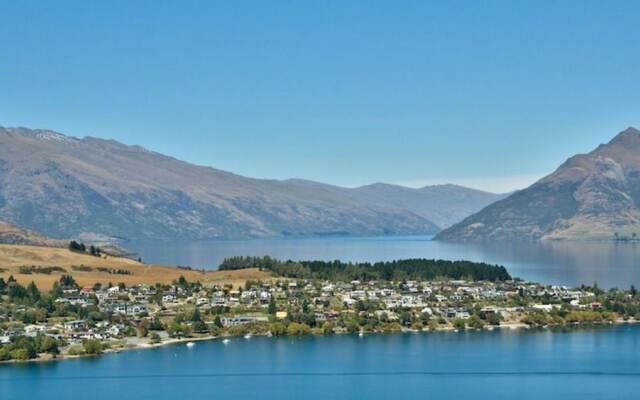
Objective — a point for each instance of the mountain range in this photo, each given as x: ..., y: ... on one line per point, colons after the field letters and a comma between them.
x: 589, y: 197
x: 68, y: 187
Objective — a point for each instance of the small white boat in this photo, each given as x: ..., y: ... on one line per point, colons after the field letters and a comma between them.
x: 361, y: 334
x: 226, y: 341
x: 247, y: 336
x: 190, y: 344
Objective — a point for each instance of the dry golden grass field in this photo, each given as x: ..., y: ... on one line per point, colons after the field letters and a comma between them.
x: 12, y: 257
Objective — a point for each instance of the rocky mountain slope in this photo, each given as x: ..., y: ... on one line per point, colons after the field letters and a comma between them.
x: 66, y: 187
x: 93, y: 189
x: 590, y: 196
x: 11, y: 234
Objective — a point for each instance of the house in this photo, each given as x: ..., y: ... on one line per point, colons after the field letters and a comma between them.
x: 86, y: 291
x: 76, y: 325
x: 218, y: 300
x: 77, y: 300
x: 34, y: 330
x: 168, y: 298
x: 201, y: 301
x: 136, y: 309
x: 264, y: 297
x: 543, y: 307
x: 119, y: 308
x: 242, y: 320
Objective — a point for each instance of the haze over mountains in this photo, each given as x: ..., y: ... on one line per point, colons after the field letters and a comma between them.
x: 590, y: 196
x: 65, y: 187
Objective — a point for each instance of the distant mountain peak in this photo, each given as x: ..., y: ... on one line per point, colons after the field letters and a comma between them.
x: 630, y: 136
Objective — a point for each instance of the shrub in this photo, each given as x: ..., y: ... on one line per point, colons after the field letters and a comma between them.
x: 92, y: 346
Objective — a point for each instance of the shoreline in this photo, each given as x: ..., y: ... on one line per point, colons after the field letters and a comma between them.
x: 516, y: 326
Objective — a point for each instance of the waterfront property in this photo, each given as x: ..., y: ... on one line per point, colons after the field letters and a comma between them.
x: 296, y: 299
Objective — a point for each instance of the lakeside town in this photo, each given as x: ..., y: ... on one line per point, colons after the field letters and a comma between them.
x: 298, y: 298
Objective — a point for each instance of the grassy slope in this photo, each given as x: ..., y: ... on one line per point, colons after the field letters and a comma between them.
x: 12, y: 257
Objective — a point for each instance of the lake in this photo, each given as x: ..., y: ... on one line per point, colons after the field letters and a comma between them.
x: 567, y: 263
x: 598, y: 363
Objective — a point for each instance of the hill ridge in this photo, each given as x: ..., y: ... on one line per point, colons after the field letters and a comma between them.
x: 590, y: 196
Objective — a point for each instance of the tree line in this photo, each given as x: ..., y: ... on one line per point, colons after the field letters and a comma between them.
x: 82, y: 248
x: 397, y: 270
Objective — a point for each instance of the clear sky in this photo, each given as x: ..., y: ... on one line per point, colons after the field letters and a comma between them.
x: 484, y: 93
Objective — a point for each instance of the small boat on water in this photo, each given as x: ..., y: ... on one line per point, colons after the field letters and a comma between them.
x: 361, y: 334
x: 226, y: 341
x: 247, y: 336
x: 190, y: 344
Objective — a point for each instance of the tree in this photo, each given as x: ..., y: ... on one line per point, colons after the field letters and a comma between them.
x: 56, y: 290
x: 327, y: 328
x: 22, y: 354
x: 33, y: 292
x: 196, y: 317
x: 92, y: 346
x: 459, y: 323
x: 156, y: 325
x: 74, y: 246
x: 16, y: 291
x: 475, y: 322
x: 405, y: 318
x: 199, y: 327
x: 272, y: 306
x: 277, y: 329
x: 143, y: 331
x: 68, y: 281
x: 48, y: 345
x: 154, y: 338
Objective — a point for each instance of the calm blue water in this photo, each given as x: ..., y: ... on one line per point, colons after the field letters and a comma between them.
x: 567, y: 263
x: 589, y: 364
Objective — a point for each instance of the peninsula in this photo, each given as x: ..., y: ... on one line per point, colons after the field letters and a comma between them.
x: 263, y: 296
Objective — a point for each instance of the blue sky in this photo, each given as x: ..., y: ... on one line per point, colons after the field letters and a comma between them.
x: 491, y: 94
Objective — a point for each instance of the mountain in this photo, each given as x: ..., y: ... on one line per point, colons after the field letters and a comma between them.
x: 590, y: 196
x: 444, y: 205
x: 11, y: 234
x: 69, y: 187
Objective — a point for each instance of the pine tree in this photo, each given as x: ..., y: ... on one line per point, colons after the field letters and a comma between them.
x: 272, y: 306
x: 33, y: 292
